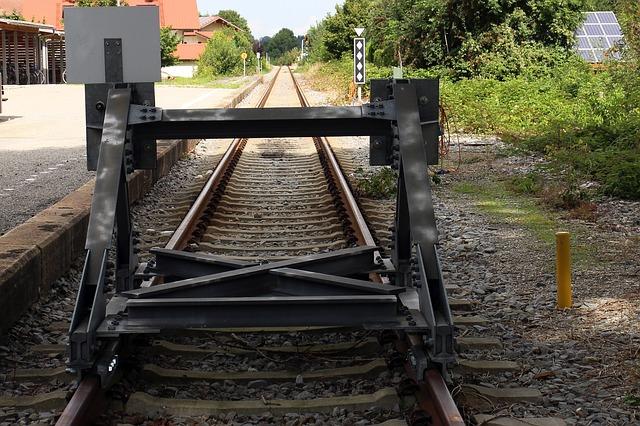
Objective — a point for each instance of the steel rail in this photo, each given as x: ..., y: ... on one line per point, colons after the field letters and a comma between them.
x: 433, y: 395
x: 87, y: 403
x: 358, y: 222
x: 179, y: 239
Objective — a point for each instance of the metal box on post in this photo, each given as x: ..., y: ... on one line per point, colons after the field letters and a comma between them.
x: 90, y: 29
x: 108, y: 46
x: 381, y: 147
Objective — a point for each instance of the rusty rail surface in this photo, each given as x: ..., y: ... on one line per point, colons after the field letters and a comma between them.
x: 180, y: 237
x: 85, y: 406
x: 433, y: 395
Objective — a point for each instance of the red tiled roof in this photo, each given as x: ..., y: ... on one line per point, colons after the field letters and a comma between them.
x: 177, y: 14
x: 190, y: 51
x: 207, y: 20
x: 205, y: 34
x: 42, y: 11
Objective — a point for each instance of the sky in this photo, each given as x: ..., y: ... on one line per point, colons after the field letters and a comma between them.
x: 267, y: 17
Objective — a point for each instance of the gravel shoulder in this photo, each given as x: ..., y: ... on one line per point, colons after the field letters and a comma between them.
x: 498, y: 247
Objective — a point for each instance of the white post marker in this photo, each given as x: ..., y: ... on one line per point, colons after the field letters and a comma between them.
x: 243, y: 55
x: 259, y: 63
x: 359, y: 65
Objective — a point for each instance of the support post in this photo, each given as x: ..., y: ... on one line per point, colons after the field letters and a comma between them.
x: 54, y: 78
x: 3, y: 36
x: 90, y: 306
x: 125, y: 258
x: 27, y: 58
x: 45, y: 60
x: 15, y: 57
x: 414, y: 183
x: 563, y: 269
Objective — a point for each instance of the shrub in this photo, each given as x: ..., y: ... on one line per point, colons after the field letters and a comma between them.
x: 221, y: 55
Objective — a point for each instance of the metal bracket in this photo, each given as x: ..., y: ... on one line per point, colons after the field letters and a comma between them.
x: 140, y: 114
x: 113, y: 60
x: 385, y: 110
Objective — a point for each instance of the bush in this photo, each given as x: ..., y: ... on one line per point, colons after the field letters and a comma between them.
x: 221, y: 56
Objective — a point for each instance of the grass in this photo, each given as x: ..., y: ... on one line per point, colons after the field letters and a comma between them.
x: 222, y: 83
x: 496, y: 199
x: 583, y: 122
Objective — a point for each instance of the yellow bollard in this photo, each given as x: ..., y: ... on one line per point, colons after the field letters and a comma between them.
x: 563, y: 269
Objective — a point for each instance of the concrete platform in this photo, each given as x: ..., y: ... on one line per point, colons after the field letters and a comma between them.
x: 42, y: 142
x: 27, y: 268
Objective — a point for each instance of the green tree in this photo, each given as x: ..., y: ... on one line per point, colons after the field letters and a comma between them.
x: 236, y: 19
x: 316, y: 48
x: 282, y: 42
x: 289, y: 57
x: 339, y: 28
x: 221, y: 56
x: 495, y: 38
x: 169, y: 40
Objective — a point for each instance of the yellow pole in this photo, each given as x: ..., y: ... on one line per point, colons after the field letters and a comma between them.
x: 563, y: 269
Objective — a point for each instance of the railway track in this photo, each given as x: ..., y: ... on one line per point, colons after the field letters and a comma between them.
x: 267, y: 200
x: 286, y: 376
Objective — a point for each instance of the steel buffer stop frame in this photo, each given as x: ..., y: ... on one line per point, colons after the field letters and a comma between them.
x: 115, y: 52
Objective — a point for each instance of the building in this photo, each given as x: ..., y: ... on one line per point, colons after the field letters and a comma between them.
x: 194, y: 41
x: 37, y: 44
x: 31, y: 53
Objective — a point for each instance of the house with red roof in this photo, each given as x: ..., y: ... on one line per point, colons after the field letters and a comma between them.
x: 181, y: 15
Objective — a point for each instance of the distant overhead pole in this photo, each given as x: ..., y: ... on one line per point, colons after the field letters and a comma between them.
x: 359, y: 65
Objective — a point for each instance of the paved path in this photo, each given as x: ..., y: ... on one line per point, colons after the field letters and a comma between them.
x: 42, y: 142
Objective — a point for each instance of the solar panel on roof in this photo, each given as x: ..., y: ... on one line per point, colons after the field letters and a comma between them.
x: 599, y: 32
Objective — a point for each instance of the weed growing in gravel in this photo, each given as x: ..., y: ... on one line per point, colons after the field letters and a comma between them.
x: 526, y: 184
x: 381, y: 184
x: 498, y: 200
x: 632, y: 399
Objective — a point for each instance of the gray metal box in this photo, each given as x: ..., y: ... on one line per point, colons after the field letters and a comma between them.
x: 87, y: 28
